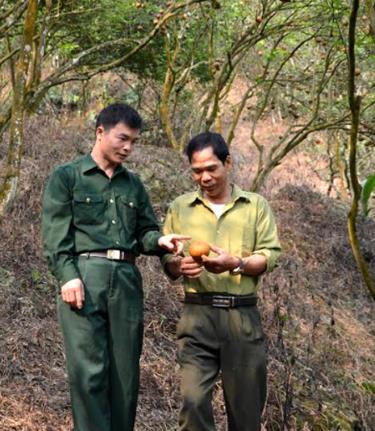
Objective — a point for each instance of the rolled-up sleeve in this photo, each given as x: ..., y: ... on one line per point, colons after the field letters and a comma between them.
x: 267, y: 241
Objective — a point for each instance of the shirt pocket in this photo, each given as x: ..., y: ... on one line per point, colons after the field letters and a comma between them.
x: 128, y: 210
x: 88, y: 208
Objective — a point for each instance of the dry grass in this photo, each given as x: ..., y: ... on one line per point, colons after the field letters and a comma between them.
x: 316, y: 312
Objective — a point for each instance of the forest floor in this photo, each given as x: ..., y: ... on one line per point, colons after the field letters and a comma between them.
x: 316, y: 311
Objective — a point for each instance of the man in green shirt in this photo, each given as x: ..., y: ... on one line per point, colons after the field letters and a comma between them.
x: 220, y: 328
x: 97, y: 218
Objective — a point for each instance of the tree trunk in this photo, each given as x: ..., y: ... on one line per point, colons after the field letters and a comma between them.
x: 340, y: 165
x: 355, y: 104
x: 164, y: 109
x: 10, y: 177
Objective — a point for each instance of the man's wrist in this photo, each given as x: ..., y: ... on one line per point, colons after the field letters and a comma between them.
x: 238, y: 267
x: 173, y: 267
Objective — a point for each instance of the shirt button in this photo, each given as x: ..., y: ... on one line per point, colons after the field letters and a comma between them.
x: 113, y: 221
x: 88, y: 200
x: 111, y: 201
x: 118, y: 242
x: 131, y: 204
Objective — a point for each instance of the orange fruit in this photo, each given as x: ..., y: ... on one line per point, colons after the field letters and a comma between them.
x: 199, y: 248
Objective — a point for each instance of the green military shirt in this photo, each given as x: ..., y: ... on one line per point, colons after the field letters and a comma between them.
x: 245, y: 227
x: 84, y: 210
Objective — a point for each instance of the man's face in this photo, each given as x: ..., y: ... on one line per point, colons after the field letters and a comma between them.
x: 210, y: 173
x: 116, y: 144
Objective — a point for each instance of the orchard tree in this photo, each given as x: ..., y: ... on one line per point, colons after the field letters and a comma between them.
x: 292, y: 56
x: 20, y: 82
x: 44, y: 45
x: 204, y: 55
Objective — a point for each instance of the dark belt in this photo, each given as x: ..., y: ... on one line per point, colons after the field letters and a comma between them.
x: 111, y: 255
x: 220, y: 300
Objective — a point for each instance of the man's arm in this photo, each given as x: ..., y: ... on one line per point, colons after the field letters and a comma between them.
x: 58, y: 241
x: 265, y: 253
x: 253, y: 265
x: 150, y: 238
x: 147, y: 230
x: 267, y: 242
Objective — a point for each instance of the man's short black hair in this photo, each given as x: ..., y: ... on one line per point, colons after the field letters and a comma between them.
x: 110, y: 116
x: 205, y: 140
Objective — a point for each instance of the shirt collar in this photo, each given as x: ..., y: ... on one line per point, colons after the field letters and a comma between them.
x: 237, y: 193
x: 89, y: 164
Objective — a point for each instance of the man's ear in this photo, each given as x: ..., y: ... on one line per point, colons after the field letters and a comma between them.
x: 228, y: 161
x: 99, y: 131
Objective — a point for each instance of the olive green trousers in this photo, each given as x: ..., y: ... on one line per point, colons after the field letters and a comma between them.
x: 213, y: 340
x: 103, y: 343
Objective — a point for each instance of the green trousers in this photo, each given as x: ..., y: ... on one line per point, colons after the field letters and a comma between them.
x: 103, y: 343
x: 230, y: 341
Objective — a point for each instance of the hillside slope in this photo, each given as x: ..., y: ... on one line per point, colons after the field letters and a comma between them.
x: 316, y: 312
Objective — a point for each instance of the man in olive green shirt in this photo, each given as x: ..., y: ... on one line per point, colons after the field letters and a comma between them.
x: 220, y: 328
x: 97, y: 219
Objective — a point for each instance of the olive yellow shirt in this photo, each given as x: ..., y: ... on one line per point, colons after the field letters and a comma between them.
x: 246, y: 226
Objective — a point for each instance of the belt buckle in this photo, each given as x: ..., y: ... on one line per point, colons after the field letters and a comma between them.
x: 219, y: 301
x: 114, y: 254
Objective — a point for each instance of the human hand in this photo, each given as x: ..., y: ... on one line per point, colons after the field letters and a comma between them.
x: 73, y: 293
x: 189, y: 267
x: 174, y: 243
x: 220, y: 263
